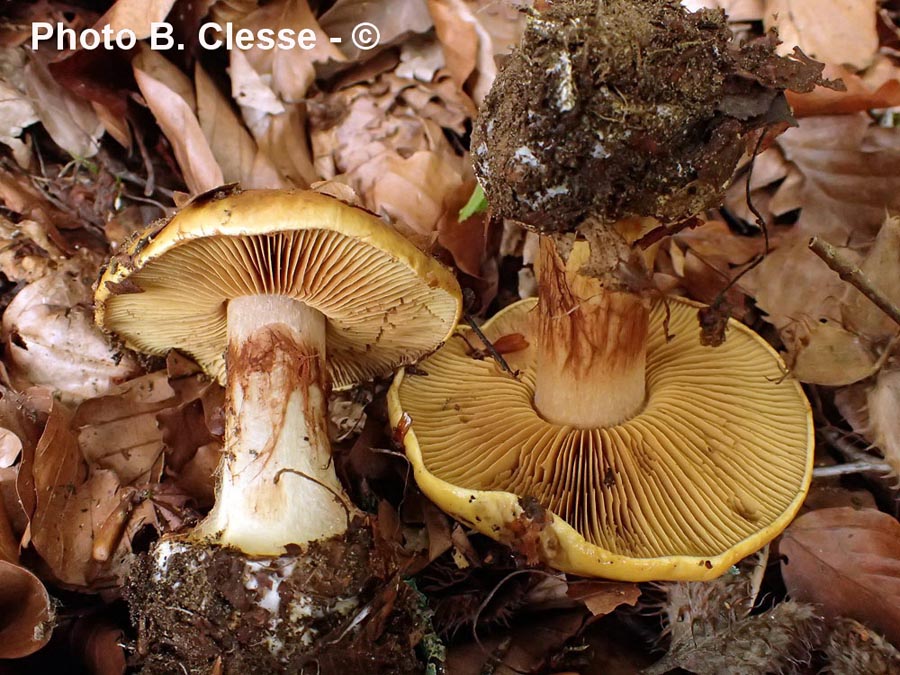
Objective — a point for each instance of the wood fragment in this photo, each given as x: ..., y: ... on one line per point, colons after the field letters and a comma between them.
x: 854, y: 276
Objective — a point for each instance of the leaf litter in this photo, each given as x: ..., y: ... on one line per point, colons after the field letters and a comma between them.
x: 102, y: 451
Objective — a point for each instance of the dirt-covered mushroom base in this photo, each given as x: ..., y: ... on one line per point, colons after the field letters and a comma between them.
x: 325, y: 610
x: 621, y: 108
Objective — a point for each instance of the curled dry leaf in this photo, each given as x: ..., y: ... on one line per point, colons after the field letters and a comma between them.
x: 602, y: 597
x: 850, y: 174
x: 847, y: 562
x: 883, y: 428
x: 170, y: 97
x: 271, y: 87
x: 823, y: 352
x: 395, y: 19
x: 231, y: 144
x: 843, y: 33
x: 60, y: 524
x: 473, y: 33
x: 880, y: 267
x: 861, y: 94
x: 51, y: 339
x: 411, y: 192
x: 99, y: 642
x: 16, y: 109
x: 135, y: 15
x: 26, y: 615
x: 71, y: 122
x: 119, y: 431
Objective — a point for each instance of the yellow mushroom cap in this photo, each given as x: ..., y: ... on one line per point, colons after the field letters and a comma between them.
x: 386, y: 303
x: 715, y: 465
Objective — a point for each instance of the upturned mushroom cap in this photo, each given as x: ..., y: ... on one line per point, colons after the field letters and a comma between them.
x: 386, y: 303
x: 715, y: 465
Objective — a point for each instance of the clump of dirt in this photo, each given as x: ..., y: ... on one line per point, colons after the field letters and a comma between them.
x: 332, y: 608
x: 623, y: 108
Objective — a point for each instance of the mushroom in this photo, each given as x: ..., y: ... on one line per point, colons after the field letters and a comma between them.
x: 685, y: 461
x: 259, y: 287
x: 615, y: 453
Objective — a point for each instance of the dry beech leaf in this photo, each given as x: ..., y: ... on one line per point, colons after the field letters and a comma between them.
x: 455, y: 28
x: 847, y: 562
x: 850, y: 172
x: 883, y: 428
x: 171, y: 99
x: 279, y: 128
x: 120, y: 432
x: 824, y: 352
x: 880, y: 266
x: 26, y: 615
x: 52, y: 340
x: 602, y: 597
x: 394, y: 19
x: 411, y: 192
x: 291, y: 71
x: 466, y: 240
x: 60, y: 530
x: 860, y: 96
x: 232, y: 145
x: 135, y: 15
x: 843, y: 33
x: 71, y: 122
x: 99, y: 641
x: 473, y: 34
x: 791, y: 266
x: 16, y: 109
x: 524, y: 648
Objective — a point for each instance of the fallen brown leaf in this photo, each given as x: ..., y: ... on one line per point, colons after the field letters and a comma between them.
x: 52, y: 340
x: 232, y: 146
x: 459, y: 39
x: 170, y: 97
x: 883, y: 428
x: 395, y: 19
x: 860, y: 95
x: 602, y: 597
x: 843, y: 33
x: 99, y: 642
x: 60, y: 525
x: 26, y: 616
x: 71, y: 122
x: 847, y: 562
x: 135, y: 15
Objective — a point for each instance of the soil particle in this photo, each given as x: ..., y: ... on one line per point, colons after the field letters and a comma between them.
x: 621, y: 108
x: 328, y: 609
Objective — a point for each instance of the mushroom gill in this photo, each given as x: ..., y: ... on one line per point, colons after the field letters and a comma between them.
x: 710, y: 460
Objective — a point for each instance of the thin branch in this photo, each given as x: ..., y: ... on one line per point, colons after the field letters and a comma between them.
x: 854, y: 467
x: 489, y: 346
x: 854, y: 276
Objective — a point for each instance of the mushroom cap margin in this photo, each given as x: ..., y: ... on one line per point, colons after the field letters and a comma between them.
x: 244, y: 215
x: 561, y: 546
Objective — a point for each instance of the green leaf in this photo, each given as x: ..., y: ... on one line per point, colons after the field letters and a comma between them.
x: 476, y: 204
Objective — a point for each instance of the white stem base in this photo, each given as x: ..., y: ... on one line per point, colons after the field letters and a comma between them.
x: 277, y: 485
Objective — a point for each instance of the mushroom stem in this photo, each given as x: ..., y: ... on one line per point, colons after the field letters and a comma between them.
x: 276, y: 484
x: 592, y: 344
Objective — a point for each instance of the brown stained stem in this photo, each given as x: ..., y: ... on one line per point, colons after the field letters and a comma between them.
x: 854, y: 276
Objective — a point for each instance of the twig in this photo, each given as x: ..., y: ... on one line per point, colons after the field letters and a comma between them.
x: 854, y: 276
x: 489, y: 346
x: 853, y: 467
